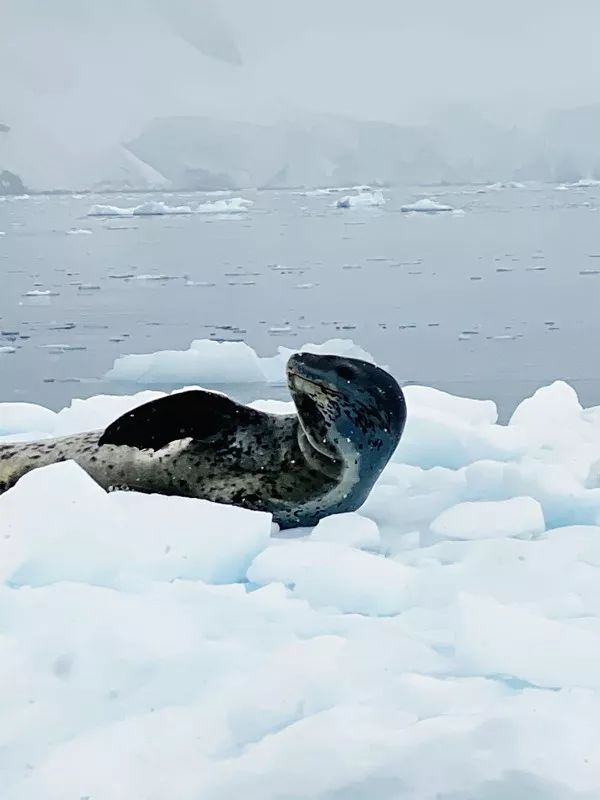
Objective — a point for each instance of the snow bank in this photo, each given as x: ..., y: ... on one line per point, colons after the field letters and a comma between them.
x: 213, y: 363
x: 365, y: 199
x: 426, y: 205
x: 152, y: 208
x: 443, y: 642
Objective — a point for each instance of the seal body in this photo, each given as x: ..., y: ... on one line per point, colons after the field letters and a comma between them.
x: 300, y: 467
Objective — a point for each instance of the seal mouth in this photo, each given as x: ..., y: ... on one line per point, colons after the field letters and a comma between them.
x: 323, y: 387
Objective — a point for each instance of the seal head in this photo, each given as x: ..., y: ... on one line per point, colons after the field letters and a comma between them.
x: 351, y: 413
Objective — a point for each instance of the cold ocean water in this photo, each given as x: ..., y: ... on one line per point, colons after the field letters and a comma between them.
x: 491, y: 303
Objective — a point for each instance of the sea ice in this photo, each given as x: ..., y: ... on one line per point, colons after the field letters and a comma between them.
x: 427, y: 206
x: 364, y: 199
x: 234, y: 205
x: 519, y: 516
x: 442, y: 642
x: 209, y: 362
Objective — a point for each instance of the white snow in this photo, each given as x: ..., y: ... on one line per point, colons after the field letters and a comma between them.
x: 426, y: 205
x: 209, y: 362
x: 364, y: 199
x: 152, y: 208
x: 442, y: 642
x: 519, y: 516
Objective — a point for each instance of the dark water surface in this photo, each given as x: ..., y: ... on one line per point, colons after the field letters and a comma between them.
x: 489, y: 304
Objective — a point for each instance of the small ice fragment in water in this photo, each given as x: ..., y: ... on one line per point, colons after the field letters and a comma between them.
x: 362, y: 200
x: 427, y: 206
x: 61, y: 348
x: 61, y: 326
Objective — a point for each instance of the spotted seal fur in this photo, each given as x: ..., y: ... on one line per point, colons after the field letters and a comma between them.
x: 300, y: 467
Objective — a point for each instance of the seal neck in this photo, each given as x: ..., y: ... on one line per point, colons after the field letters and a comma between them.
x: 330, y: 467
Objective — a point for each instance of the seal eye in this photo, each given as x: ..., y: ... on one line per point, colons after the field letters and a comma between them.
x: 346, y: 373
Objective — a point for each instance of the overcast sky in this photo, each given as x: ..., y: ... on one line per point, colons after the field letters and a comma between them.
x: 101, y: 70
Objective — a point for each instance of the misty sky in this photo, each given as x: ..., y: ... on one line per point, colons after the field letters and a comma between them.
x: 95, y: 73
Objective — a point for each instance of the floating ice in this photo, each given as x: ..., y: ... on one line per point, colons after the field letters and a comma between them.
x: 234, y: 205
x: 79, y: 232
x: 496, y: 187
x: 586, y: 182
x: 209, y: 362
x: 442, y: 643
x: 40, y: 293
x: 365, y: 199
x: 427, y: 206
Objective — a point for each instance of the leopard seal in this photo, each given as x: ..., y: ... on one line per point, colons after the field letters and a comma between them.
x: 300, y: 467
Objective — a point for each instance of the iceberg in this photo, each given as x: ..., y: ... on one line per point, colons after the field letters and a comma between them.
x: 364, y: 199
x: 152, y: 208
x: 426, y: 206
x: 207, y: 362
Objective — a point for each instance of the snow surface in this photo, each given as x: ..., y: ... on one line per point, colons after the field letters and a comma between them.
x: 441, y: 644
x: 154, y: 208
x: 209, y: 362
x: 426, y: 205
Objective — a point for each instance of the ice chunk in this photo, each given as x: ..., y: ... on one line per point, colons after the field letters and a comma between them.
x: 109, y: 211
x: 519, y: 516
x: 547, y: 407
x: 205, y: 362
x: 96, y: 413
x: 498, y: 639
x: 336, y: 576
x: 349, y: 529
x: 434, y: 437
x: 365, y: 199
x: 586, y: 182
x: 23, y: 417
x: 463, y: 408
x: 210, y: 362
x: 426, y: 205
x: 233, y: 205
x: 126, y: 534
x: 153, y: 208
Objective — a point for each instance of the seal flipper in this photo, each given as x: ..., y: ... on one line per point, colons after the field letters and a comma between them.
x: 196, y: 414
